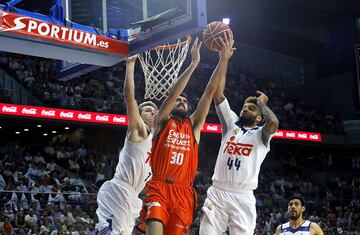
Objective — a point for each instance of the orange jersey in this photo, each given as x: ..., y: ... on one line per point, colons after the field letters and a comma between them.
x: 175, y: 152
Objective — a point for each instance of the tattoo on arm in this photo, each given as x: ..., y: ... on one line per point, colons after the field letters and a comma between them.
x: 271, y: 122
x: 219, y: 100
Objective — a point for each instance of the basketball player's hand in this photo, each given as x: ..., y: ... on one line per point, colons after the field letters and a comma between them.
x: 227, y: 49
x: 261, y: 97
x: 131, y: 59
x: 195, y: 51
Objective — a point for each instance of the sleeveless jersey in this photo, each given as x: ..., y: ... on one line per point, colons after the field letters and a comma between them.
x: 240, y: 155
x: 303, y: 229
x: 132, y: 167
x: 175, y: 152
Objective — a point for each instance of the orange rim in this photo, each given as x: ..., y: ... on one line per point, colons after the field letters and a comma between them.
x: 173, y: 46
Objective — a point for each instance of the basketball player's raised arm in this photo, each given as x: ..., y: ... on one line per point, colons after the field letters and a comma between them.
x: 271, y: 121
x: 199, y: 116
x: 219, y: 93
x: 226, y: 116
x: 166, y: 107
x: 315, y: 229
x: 136, y: 129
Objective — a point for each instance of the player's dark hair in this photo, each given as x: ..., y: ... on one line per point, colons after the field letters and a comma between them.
x: 299, y: 197
x: 184, y: 95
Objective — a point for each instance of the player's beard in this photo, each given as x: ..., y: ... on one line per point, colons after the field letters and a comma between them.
x: 247, y: 120
x: 179, y: 114
x: 294, y: 216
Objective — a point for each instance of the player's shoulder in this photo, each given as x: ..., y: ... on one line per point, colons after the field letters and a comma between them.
x: 278, y: 229
x: 315, y: 228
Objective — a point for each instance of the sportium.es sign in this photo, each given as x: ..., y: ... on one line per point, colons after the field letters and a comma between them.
x: 37, y: 29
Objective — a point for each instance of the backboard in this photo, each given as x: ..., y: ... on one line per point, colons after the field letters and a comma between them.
x: 84, y: 33
x: 143, y: 23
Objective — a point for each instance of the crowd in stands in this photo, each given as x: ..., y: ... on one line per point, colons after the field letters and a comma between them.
x: 39, y: 196
x: 5, y: 95
x: 101, y: 91
x: 51, y: 190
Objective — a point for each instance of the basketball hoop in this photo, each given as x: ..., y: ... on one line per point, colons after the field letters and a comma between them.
x: 161, y: 66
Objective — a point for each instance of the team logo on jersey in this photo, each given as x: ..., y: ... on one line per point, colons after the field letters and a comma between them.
x: 236, y: 131
x: 178, y: 140
x: 173, y: 124
x: 238, y: 149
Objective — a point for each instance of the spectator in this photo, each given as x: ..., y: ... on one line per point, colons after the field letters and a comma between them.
x: 31, y: 219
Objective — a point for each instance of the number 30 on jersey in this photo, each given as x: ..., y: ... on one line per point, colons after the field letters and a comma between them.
x: 177, y: 158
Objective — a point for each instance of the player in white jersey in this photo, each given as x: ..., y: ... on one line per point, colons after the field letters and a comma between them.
x: 230, y: 201
x: 297, y: 225
x: 118, y: 202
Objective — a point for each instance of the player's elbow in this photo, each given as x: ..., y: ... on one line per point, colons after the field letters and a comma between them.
x: 128, y: 96
x: 210, y: 90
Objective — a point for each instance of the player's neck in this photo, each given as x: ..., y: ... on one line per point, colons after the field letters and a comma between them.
x: 180, y: 118
x: 248, y: 127
x: 297, y: 223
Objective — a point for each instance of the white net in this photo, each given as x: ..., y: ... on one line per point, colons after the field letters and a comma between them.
x: 161, y: 67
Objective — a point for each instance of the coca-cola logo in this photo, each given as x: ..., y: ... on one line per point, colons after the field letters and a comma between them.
x: 279, y: 134
x: 66, y: 114
x: 86, y: 116
x: 314, y: 137
x: 11, y: 109
x: 290, y: 134
x: 104, y: 118
x: 119, y: 119
x: 48, y: 113
x: 29, y: 111
x: 212, y: 128
x: 302, y: 136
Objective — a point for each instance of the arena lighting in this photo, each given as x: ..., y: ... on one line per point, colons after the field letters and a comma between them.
x: 26, y: 130
x: 18, y: 132
x: 39, y: 126
x: 54, y: 132
x: 45, y: 134
x: 226, y: 21
x: 122, y: 120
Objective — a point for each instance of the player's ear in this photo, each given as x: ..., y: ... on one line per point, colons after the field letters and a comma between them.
x: 258, y: 119
x: 302, y: 209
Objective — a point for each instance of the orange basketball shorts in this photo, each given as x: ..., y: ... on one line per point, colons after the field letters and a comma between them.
x: 171, y: 204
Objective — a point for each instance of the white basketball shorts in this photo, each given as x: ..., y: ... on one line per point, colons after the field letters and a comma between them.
x: 233, y: 210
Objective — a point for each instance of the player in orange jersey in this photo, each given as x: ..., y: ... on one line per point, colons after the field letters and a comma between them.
x: 170, y: 199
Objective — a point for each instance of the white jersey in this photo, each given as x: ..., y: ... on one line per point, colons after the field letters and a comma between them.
x: 303, y: 229
x: 241, y: 153
x: 133, y: 167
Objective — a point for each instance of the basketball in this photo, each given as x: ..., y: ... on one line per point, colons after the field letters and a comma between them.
x: 212, y: 34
